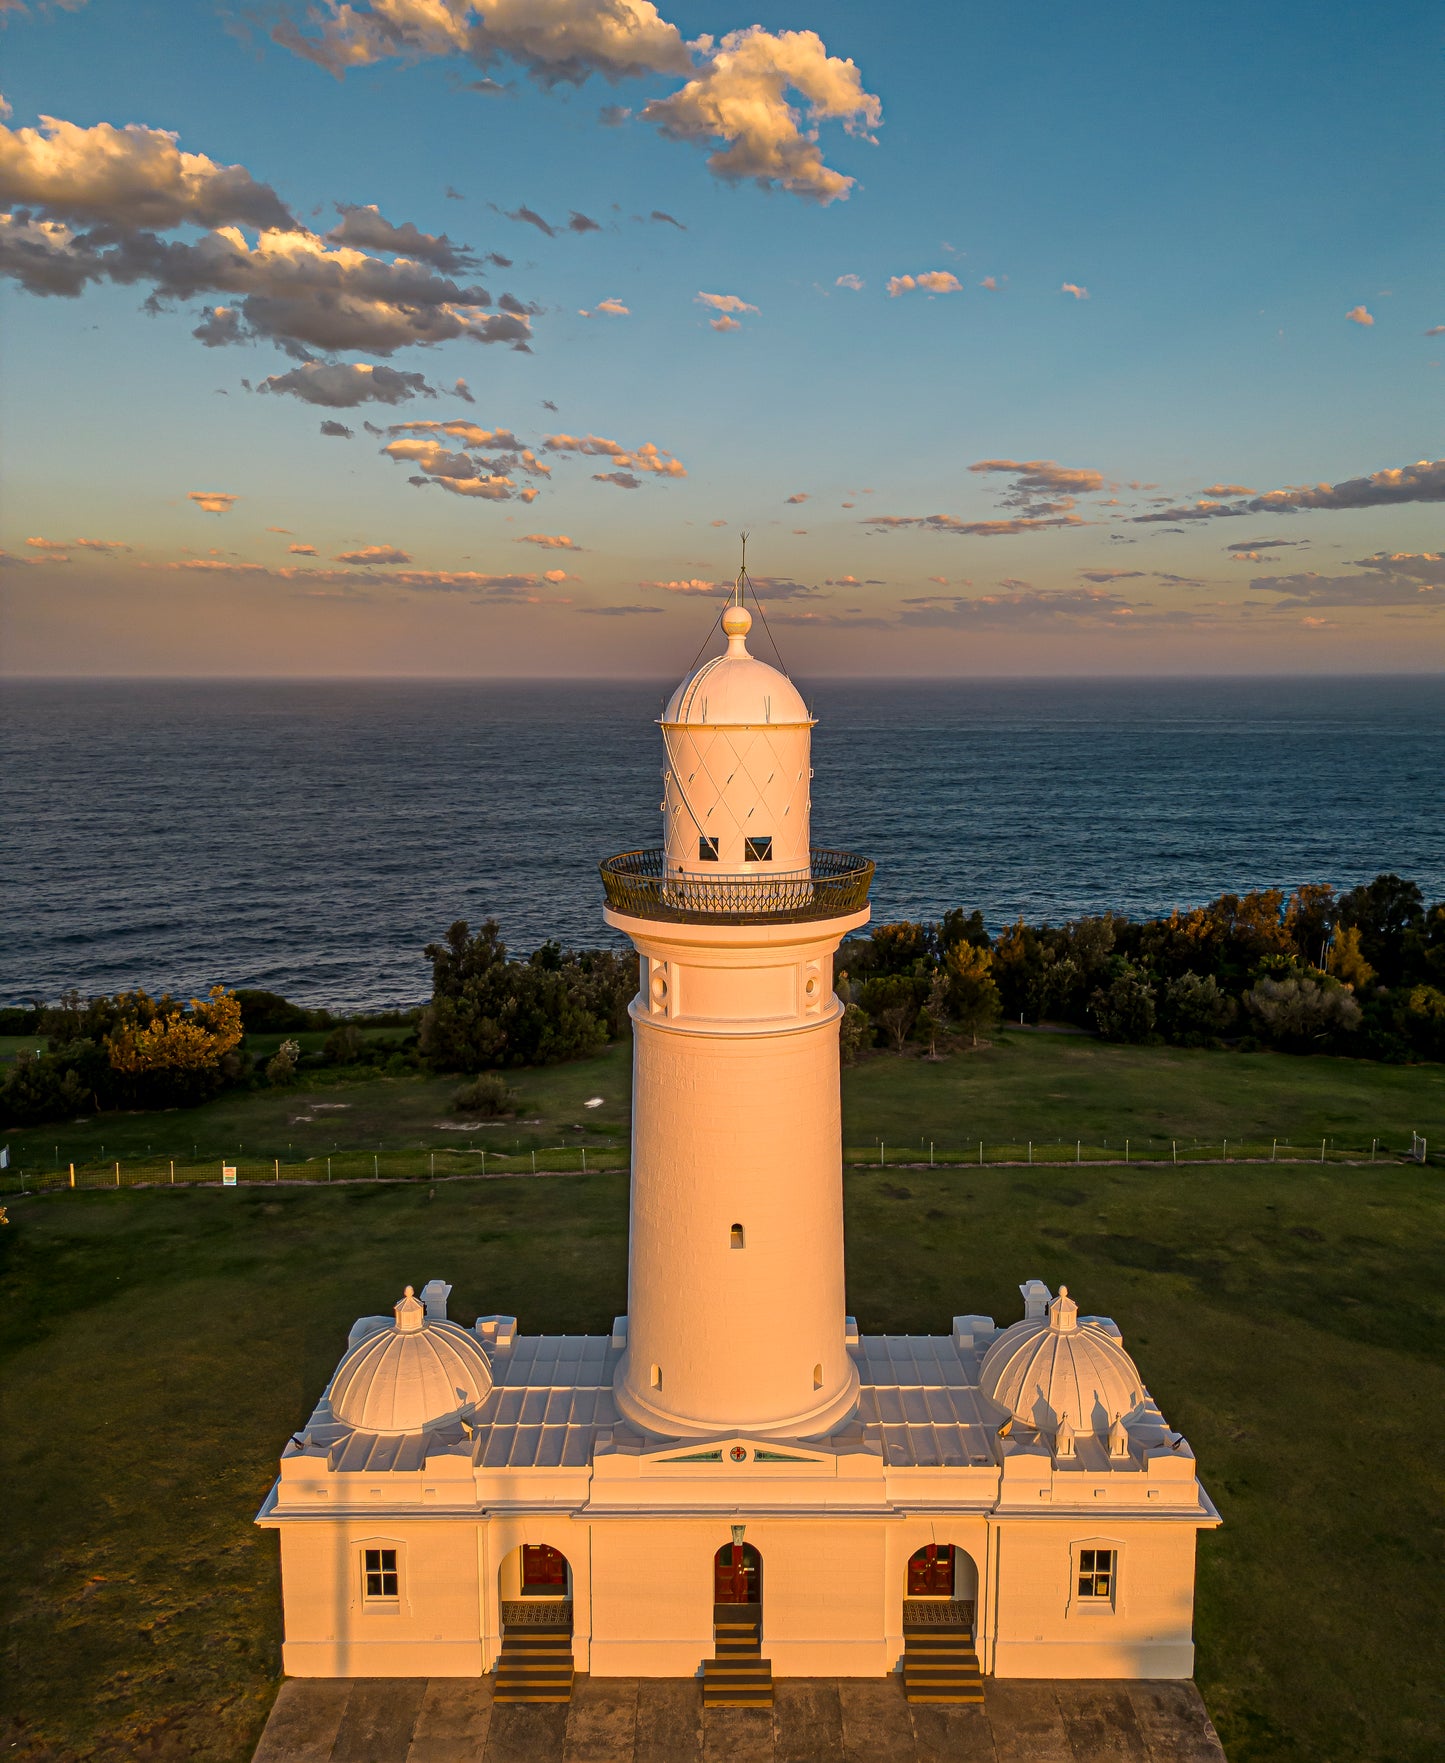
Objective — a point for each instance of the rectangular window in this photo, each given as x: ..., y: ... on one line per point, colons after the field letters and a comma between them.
x: 379, y: 1573
x: 759, y: 850
x: 1096, y: 1573
x: 706, y: 849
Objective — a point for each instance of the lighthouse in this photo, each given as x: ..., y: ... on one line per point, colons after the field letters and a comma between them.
x: 736, y: 1308
x: 734, y: 1484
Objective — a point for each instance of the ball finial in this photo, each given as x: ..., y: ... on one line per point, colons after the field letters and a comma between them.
x: 737, y: 621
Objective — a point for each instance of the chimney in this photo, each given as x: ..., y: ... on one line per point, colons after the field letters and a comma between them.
x: 1036, y: 1296
x: 434, y: 1295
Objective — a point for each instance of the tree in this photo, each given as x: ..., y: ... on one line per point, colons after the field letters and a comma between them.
x: 1424, y: 1021
x: 1194, y: 1010
x: 1309, y: 919
x: 282, y: 1069
x: 960, y: 927
x: 158, y: 1037
x: 855, y: 1032
x: 892, y: 1001
x: 1345, y: 960
x: 1124, y: 1009
x: 1301, y: 1013
x: 1384, y: 911
x: 344, y: 1045
x: 972, y: 993
x: 933, y: 1017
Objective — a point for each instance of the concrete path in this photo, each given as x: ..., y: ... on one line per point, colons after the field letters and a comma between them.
x: 662, y: 1720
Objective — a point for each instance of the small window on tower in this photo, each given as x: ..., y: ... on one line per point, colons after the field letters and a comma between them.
x: 379, y: 1575
x: 706, y: 849
x: 655, y: 1379
x: 759, y: 850
x: 737, y: 1236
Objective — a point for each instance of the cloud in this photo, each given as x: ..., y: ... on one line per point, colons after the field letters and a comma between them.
x: 343, y: 385
x: 738, y: 102
x: 1224, y: 490
x: 978, y: 529
x: 620, y: 611
x: 611, y: 306
x: 1358, y: 315
x: 1404, y: 578
x: 624, y: 480
x: 40, y: 544
x: 549, y: 541
x: 990, y: 282
x: 661, y: 215
x: 928, y: 281
x: 646, y: 458
x: 693, y: 585
x: 129, y: 177
x: 100, y: 544
x: 292, y: 287
x: 1111, y: 575
x: 1436, y: 330
x: 1422, y: 482
x: 579, y: 223
x: 338, y: 430
x: 724, y: 302
x: 1074, y: 289
x: 366, y: 228
x: 213, y: 501
x: 855, y: 282
x: 373, y: 554
x: 801, y: 496
x: 1032, y: 476
x: 1263, y: 544
x: 1020, y: 604
x: 303, y: 550
x: 724, y: 323
x: 531, y: 218
x: 612, y: 116
x: 555, y: 41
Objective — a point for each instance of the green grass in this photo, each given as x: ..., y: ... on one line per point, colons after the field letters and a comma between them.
x: 159, y: 1346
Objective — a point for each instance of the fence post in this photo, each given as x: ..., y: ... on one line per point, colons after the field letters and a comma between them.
x: 328, y: 1169
x: 880, y: 1154
x: 534, y: 1163
x: 1031, y: 1153
x: 930, y: 1153
x: 1273, y: 1149
x: 1322, y: 1150
x: 584, y: 1160
x: 980, y: 1153
x: 1224, y: 1155
x: 375, y: 1167
x: 117, y: 1175
x: 484, y: 1160
x: 278, y: 1169
x: 173, y: 1172
x: 1078, y: 1150
x: 1126, y: 1150
x: 1373, y: 1143
x: 1174, y: 1149
x: 72, y: 1175
x: 433, y: 1162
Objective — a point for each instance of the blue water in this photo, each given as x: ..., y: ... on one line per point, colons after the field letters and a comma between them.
x: 312, y: 837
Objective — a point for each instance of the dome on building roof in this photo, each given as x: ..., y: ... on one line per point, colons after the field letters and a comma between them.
x: 1050, y: 1366
x: 735, y: 689
x: 413, y: 1375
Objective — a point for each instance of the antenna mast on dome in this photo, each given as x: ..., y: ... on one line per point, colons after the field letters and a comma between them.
x: 742, y: 574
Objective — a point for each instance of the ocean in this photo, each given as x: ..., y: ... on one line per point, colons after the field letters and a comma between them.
x: 312, y: 837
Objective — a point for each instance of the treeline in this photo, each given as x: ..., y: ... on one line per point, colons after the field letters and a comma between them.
x: 1360, y: 973
x: 133, y: 1050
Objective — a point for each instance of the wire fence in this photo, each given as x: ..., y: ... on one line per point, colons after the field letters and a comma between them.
x: 1394, y: 1147
x: 235, y: 1170
x: 452, y: 1163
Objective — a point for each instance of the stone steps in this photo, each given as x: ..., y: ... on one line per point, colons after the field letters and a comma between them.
x: 940, y: 1665
x: 535, y: 1666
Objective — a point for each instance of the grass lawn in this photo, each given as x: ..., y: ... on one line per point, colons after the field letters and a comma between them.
x: 1051, y: 1089
x: 160, y: 1345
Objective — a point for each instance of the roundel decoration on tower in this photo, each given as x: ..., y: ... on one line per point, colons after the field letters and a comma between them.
x: 739, y: 1454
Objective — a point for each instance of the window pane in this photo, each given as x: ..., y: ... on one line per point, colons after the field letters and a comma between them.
x: 758, y: 850
x: 706, y: 849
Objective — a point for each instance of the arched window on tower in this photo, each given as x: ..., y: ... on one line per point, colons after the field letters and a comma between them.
x: 736, y: 1235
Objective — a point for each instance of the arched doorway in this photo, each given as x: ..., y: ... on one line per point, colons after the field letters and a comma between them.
x: 737, y: 1575
x: 940, y: 1662
x: 535, y: 1663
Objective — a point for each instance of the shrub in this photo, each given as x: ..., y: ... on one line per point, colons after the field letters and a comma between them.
x: 282, y: 1069
x: 488, y: 1095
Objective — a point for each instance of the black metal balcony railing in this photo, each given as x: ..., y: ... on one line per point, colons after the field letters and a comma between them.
x: 637, y: 883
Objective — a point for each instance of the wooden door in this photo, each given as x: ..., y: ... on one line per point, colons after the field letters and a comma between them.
x: 930, y: 1572
x: 544, y: 1571
x: 737, y: 1574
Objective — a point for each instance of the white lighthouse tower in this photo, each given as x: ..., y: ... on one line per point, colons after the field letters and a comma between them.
x: 735, y: 1280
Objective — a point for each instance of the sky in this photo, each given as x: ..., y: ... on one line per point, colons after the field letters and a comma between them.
x: 465, y: 338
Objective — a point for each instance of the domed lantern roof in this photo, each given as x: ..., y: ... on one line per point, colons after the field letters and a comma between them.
x: 411, y: 1376
x: 735, y: 689
x: 1048, y: 1367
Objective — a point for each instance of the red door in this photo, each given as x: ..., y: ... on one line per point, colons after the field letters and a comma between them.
x: 930, y: 1572
x: 544, y: 1571
x: 736, y: 1574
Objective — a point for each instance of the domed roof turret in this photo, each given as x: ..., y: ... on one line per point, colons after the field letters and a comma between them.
x: 1048, y: 1367
x: 413, y: 1375
x: 735, y: 689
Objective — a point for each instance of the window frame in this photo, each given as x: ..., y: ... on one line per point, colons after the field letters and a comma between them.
x: 384, y: 1602
x: 708, y: 848
x: 758, y: 848
x: 1094, y: 1603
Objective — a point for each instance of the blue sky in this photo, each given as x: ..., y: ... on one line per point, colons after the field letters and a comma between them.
x: 1244, y: 204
